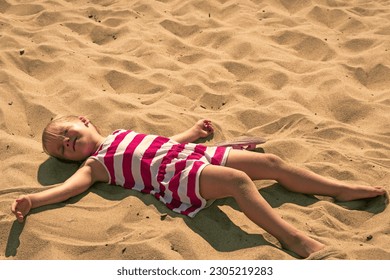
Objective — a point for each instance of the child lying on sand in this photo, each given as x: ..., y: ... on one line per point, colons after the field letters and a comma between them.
x: 183, y: 175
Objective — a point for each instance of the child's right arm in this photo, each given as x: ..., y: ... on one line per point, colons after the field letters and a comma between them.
x: 76, y: 184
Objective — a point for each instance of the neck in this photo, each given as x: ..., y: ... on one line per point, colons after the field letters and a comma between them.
x: 99, y: 141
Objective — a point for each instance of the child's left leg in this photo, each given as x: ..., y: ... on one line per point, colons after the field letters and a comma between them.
x: 219, y: 182
x: 267, y: 166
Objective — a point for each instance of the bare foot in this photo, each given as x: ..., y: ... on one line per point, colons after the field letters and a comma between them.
x: 303, y: 245
x: 359, y: 192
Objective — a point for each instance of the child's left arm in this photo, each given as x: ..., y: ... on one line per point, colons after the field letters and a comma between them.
x: 201, y: 129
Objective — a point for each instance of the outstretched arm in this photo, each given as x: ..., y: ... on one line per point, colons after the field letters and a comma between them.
x: 75, y: 185
x: 201, y: 129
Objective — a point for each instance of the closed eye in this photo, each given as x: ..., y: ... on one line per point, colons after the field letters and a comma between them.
x: 61, y: 149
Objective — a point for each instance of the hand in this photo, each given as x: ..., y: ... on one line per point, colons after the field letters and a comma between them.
x: 85, y: 121
x: 203, y: 128
x: 20, y: 207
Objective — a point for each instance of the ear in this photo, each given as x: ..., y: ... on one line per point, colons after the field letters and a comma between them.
x: 85, y: 121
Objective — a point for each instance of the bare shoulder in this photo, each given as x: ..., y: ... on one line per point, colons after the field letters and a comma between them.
x: 98, y: 172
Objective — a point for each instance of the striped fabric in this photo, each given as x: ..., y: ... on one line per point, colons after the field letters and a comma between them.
x: 159, y: 166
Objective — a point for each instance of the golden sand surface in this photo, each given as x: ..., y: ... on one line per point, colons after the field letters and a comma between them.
x: 312, y: 77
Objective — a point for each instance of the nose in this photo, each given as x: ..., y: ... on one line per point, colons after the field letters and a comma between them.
x: 66, y: 142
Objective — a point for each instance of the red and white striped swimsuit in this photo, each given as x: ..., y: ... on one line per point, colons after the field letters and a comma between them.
x: 159, y: 166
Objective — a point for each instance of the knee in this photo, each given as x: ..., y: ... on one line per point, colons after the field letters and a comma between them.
x: 273, y: 161
x: 239, y: 181
x: 236, y: 176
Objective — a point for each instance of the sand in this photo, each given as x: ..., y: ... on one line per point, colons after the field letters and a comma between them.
x: 312, y: 77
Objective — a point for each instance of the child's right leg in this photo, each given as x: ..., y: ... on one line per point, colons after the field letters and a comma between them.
x: 219, y: 182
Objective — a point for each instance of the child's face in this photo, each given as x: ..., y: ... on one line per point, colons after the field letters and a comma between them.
x: 73, y: 141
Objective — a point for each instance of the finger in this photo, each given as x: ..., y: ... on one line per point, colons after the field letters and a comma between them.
x: 209, y: 126
x: 84, y: 120
x: 20, y: 217
x: 15, y: 205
